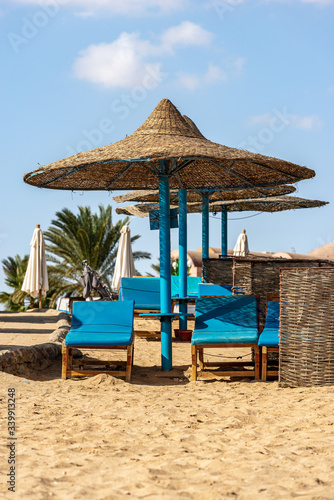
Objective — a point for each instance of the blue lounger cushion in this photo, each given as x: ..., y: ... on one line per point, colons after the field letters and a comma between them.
x: 225, y: 320
x: 97, y: 339
x: 101, y: 323
x: 270, y: 336
x: 192, y: 285
x: 144, y: 291
x: 213, y: 289
x: 107, y: 328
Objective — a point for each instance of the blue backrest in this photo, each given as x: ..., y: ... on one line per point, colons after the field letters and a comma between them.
x: 175, y: 286
x: 100, y: 312
x: 229, y: 313
x: 144, y: 291
x: 272, y: 317
x: 192, y: 285
x: 213, y: 289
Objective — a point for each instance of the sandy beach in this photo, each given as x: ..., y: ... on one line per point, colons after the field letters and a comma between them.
x: 162, y: 436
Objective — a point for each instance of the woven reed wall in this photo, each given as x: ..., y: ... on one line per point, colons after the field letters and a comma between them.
x: 262, y: 276
x: 307, y: 327
x: 218, y: 271
x: 253, y: 276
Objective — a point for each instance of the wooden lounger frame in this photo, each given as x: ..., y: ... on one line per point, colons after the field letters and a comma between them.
x: 67, y: 363
x: 264, y: 350
x: 227, y: 372
x: 146, y: 334
x: 264, y: 363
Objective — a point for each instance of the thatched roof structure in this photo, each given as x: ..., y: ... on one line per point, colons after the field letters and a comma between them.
x: 166, y: 144
x: 272, y: 204
x: 152, y: 195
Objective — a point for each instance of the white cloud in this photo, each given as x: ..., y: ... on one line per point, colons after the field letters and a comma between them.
x: 321, y: 3
x: 117, y: 64
x: 214, y: 74
x: 85, y: 14
x: 127, y: 7
x: 308, y: 123
x: 190, y: 82
x: 238, y: 65
x: 139, y: 7
x: 126, y: 61
x: 263, y: 120
x: 185, y: 34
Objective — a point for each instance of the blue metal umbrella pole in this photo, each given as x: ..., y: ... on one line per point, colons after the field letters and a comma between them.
x: 165, y: 273
x: 224, y: 232
x: 183, y: 256
x: 205, y: 226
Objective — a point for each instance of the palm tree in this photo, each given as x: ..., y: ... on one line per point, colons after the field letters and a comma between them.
x: 73, y: 238
x: 156, y: 269
x: 14, y: 269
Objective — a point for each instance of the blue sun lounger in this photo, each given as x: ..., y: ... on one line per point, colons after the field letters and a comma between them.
x: 145, y: 292
x: 100, y: 325
x: 225, y: 321
x: 269, y: 338
x: 205, y: 289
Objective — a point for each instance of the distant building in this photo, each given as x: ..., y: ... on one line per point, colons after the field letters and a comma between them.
x: 194, y: 257
x: 323, y: 252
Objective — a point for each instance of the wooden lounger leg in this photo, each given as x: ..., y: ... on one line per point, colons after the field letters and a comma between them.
x: 264, y: 363
x: 64, y: 361
x: 129, y: 362
x: 201, y: 358
x: 194, y: 362
x: 70, y: 358
x: 257, y: 362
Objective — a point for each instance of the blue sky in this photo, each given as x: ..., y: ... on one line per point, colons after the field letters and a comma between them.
x: 77, y: 74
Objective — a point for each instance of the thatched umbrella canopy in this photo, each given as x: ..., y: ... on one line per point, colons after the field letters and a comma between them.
x: 152, y: 195
x: 189, y: 160
x: 166, y: 151
x: 269, y: 204
x: 181, y: 198
x: 201, y: 195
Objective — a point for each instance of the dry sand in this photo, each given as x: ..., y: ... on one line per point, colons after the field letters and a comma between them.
x: 162, y: 436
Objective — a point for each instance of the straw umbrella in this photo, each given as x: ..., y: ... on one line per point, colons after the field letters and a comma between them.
x: 36, y: 281
x: 124, y: 266
x: 166, y: 152
x: 181, y: 197
x: 270, y: 204
x: 205, y: 196
x: 214, y: 195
